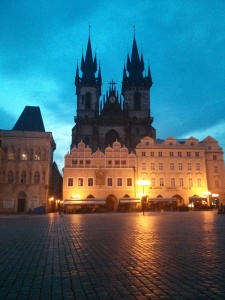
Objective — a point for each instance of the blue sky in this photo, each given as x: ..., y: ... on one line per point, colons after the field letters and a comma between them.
x: 183, y: 41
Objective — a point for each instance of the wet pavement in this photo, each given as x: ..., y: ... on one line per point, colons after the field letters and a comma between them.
x: 175, y: 255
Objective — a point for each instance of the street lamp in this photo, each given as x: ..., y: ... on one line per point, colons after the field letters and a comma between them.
x: 143, y: 183
x: 207, y: 194
x: 52, y: 206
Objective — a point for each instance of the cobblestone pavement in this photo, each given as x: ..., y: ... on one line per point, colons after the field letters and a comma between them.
x: 175, y: 255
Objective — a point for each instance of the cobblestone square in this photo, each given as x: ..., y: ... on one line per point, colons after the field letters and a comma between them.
x: 175, y: 255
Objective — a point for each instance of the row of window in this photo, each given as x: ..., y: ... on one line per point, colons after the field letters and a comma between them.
x: 87, y: 162
x: 171, y: 153
x: 23, y: 155
x: 109, y: 181
x: 24, y: 177
x: 172, y: 166
x: 179, y: 167
x: 129, y: 182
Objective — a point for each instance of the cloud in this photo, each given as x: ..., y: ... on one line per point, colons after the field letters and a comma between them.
x: 183, y: 41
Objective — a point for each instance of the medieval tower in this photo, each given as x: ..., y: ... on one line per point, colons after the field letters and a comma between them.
x: 126, y: 117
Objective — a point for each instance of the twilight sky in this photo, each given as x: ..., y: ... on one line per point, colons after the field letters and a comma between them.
x: 183, y: 41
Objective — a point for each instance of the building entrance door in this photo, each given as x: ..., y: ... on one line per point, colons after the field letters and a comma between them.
x: 21, y: 204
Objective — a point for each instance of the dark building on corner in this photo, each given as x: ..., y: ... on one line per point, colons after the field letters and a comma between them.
x: 29, y: 177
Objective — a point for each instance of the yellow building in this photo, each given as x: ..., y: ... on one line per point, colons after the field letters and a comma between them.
x: 181, y: 172
x: 169, y: 174
x: 99, y: 178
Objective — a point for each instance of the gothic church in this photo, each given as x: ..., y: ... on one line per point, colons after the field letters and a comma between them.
x: 126, y: 117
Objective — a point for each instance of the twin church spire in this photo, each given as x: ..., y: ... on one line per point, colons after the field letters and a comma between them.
x: 125, y: 118
x: 89, y: 68
x: 134, y: 67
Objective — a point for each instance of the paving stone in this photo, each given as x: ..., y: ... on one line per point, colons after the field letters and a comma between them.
x: 113, y: 256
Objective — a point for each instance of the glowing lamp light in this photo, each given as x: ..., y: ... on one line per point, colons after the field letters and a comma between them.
x: 143, y: 182
x: 206, y: 193
x: 75, y: 197
x: 215, y: 195
x: 141, y: 194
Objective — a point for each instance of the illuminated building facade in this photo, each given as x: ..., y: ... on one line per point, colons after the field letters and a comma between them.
x: 107, y: 176
x: 188, y: 171
x: 112, y: 133
x: 172, y: 173
x: 28, y: 175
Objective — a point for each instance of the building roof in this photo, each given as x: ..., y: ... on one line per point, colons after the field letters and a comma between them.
x: 30, y: 120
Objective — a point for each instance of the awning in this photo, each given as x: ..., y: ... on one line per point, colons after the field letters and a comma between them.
x: 129, y: 200
x: 193, y: 199
x: 161, y: 199
x: 101, y: 201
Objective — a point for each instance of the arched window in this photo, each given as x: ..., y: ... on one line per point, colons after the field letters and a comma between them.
x: 37, y: 177
x: 37, y: 154
x: 137, y: 100
x: 110, y: 137
x: 23, y: 177
x: 88, y: 101
x: 10, y: 177
x: 11, y: 154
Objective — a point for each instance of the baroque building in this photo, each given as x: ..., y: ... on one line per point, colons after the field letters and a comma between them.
x: 28, y: 175
x: 98, y: 177
x: 126, y: 117
x: 183, y: 171
x: 116, y: 161
x: 172, y: 174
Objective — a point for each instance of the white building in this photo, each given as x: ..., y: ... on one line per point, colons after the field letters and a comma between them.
x: 188, y: 170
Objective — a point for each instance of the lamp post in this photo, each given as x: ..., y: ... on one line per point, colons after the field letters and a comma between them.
x: 207, y: 194
x: 215, y: 199
x: 143, y: 183
x: 52, y: 204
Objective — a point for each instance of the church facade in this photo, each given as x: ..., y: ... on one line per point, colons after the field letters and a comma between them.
x: 125, y: 118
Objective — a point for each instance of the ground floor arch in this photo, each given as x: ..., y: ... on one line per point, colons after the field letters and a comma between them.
x: 110, y: 137
x: 111, y: 203
x: 21, y: 202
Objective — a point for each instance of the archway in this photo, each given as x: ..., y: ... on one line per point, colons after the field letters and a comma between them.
x: 111, y: 203
x: 110, y: 137
x: 21, y: 202
x: 180, y: 200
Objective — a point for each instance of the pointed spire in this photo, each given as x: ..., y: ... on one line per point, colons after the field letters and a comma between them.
x: 134, y: 69
x: 124, y: 72
x: 88, y: 65
x: 77, y: 75
x: 99, y: 74
x: 128, y: 62
x: 136, y: 66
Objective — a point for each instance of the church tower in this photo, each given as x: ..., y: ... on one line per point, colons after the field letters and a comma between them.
x: 125, y: 118
x: 88, y: 91
x: 136, y: 93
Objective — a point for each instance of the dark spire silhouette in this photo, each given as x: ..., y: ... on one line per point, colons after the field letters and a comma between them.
x: 133, y: 71
x: 135, y: 65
